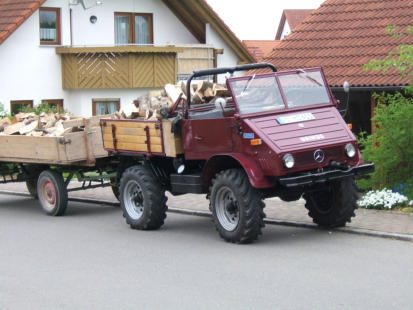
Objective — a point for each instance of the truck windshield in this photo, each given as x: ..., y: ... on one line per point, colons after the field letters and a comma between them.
x: 261, y: 93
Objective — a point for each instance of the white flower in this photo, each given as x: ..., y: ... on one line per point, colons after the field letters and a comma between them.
x: 384, y: 198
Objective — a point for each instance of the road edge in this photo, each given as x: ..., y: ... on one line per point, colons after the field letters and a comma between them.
x: 350, y: 230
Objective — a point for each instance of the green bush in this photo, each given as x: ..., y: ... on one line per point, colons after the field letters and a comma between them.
x: 43, y: 107
x: 390, y: 146
x: 3, y: 113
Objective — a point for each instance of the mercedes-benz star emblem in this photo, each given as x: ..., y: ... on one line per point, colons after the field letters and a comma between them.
x: 319, y: 156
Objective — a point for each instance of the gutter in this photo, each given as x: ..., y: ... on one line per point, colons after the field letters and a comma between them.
x: 370, y: 88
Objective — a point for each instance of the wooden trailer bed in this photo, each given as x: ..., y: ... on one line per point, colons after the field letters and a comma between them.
x: 76, y: 148
x: 136, y: 136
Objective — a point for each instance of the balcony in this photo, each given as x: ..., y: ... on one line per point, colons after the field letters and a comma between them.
x: 131, y: 66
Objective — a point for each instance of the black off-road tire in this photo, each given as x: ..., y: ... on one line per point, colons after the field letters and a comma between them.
x: 33, y: 172
x: 334, y: 206
x: 31, y: 185
x: 115, y: 189
x: 52, y: 193
x: 142, y: 198
x: 231, y: 194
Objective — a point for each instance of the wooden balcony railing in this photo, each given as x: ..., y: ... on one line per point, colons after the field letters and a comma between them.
x: 118, y: 66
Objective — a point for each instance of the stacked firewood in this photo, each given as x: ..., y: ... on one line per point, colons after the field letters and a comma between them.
x: 156, y: 104
x: 30, y: 124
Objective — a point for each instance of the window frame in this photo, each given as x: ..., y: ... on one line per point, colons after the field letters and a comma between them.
x: 96, y: 100
x: 132, y: 25
x: 15, y: 102
x: 58, y: 28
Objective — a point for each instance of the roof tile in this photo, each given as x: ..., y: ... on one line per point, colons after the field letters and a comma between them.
x: 342, y: 36
x: 13, y: 13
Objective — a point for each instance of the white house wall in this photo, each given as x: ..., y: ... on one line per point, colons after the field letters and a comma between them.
x: 29, y: 71
x: 166, y: 26
x: 229, y: 58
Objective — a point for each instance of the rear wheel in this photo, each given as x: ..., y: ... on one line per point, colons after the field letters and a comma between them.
x: 236, y: 206
x: 52, y: 192
x: 31, y: 185
x: 333, y: 206
x: 142, y: 199
x: 115, y: 187
x: 33, y: 172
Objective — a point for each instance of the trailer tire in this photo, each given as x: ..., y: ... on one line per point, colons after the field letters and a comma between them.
x: 142, y: 198
x: 334, y: 206
x: 115, y: 189
x: 52, y: 193
x: 31, y: 185
x: 237, y: 207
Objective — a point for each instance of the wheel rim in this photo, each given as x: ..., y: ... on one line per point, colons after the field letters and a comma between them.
x: 133, y: 200
x: 322, y: 201
x: 227, y: 208
x: 48, y: 194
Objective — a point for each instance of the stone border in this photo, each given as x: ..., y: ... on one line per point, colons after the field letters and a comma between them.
x: 351, y: 230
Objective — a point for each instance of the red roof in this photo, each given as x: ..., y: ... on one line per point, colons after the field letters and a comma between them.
x: 293, y: 17
x: 13, y: 13
x: 260, y: 48
x: 343, y: 35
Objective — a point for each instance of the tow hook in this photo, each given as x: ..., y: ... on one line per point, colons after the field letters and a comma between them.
x: 338, y: 165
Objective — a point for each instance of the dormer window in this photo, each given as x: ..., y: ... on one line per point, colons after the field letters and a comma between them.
x: 49, y: 26
x: 133, y: 28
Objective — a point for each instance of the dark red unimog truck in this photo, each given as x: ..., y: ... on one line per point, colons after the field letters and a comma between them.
x: 280, y: 135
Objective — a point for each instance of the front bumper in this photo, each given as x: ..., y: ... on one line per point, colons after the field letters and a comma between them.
x: 320, y: 177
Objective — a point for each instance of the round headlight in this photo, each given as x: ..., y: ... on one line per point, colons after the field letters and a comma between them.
x: 288, y: 161
x: 350, y: 150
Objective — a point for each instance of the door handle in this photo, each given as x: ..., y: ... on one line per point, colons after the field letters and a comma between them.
x: 198, y: 138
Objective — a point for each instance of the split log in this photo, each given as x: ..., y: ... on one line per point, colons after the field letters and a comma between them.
x: 172, y: 92
x: 13, y: 129
x: 29, y: 128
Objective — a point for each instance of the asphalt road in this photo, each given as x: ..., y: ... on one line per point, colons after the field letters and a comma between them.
x: 90, y: 259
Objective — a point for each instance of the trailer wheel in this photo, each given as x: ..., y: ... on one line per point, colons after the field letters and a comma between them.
x: 236, y: 206
x: 334, y: 206
x: 31, y: 185
x: 52, y: 193
x: 115, y: 189
x: 142, y: 199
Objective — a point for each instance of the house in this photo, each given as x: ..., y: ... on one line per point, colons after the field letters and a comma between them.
x: 342, y: 36
x: 96, y: 56
x: 290, y: 19
x: 260, y: 48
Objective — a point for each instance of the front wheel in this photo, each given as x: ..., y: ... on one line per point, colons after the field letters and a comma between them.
x: 52, y: 193
x: 142, y: 198
x: 333, y: 206
x: 236, y: 206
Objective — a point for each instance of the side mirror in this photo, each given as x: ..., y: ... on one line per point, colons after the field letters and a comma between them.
x: 346, y: 87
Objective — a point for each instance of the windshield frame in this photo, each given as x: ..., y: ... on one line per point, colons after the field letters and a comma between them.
x: 276, y: 75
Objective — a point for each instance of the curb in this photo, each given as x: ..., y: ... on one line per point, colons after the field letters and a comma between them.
x: 350, y: 230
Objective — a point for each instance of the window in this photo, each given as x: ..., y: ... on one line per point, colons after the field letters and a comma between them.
x: 49, y: 25
x: 133, y: 28
x: 17, y: 106
x: 105, y: 106
x: 54, y: 104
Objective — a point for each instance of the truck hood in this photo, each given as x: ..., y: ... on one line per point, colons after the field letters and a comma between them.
x: 300, y: 130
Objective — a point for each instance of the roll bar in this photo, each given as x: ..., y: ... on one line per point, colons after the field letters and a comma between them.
x: 224, y: 70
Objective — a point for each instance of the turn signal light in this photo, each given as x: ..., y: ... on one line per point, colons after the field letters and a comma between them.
x: 256, y: 141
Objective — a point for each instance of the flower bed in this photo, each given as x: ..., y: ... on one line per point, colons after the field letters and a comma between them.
x: 383, y: 199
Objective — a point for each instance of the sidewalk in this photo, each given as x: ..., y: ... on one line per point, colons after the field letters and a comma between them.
x: 382, y: 221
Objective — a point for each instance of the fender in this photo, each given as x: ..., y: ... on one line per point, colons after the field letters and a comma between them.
x: 232, y: 160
